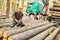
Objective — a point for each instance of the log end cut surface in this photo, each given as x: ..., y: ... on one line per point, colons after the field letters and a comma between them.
x: 5, y: 35
x: 1, y: 33
x: 10, y: 38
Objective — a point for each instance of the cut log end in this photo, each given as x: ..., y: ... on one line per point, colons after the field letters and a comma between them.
x: 5, y: 35
x: 1, y: 33
x: 10, y: 38
x: 4, y: 39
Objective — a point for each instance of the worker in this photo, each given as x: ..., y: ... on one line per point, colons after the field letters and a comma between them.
x: 17, y: 17
x: 45, y: 2
x: 58, y: 22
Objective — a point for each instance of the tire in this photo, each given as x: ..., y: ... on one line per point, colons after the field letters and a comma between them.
x: 34, y: 14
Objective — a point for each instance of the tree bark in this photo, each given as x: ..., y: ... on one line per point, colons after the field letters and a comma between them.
x: 30, y: 33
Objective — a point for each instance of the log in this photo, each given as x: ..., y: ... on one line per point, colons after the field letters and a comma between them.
x: 27, y: 21
x: 57, y: 37
x: 2, y: 30
x: 5, y: 24
x: 32, y: 22
x: 42, y: 35
x: 52, y: 35
x: 27, y: 34
x: 57, y: 4
x: 5, y: 29
x: 56, y: 8
x: 15, y: 31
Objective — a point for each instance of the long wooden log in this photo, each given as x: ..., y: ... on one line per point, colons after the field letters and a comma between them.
x: 52, y: 35
x: 33, y: 22
x: 2, y: 30
x: 42, y: 35
x: 6, y: 29
x: 27, y: 34
x: 15, y: 31
x: 57, y: 37
x: 5, y: 24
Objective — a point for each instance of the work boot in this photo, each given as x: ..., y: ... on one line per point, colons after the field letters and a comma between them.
x: 21, y: 24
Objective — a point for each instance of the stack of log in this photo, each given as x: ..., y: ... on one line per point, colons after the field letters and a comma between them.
x: 25, y: 34
x: 36, y: 30
x: 30, y: 33
x: 7, y: 32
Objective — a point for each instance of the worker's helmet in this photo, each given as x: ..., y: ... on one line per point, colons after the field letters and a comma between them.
x: 20, y: 7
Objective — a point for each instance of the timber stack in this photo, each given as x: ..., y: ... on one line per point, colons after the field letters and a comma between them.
x: 43, y: 30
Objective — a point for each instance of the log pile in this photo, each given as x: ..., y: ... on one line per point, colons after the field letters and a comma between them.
x: 42, y: 35
x: 53, y: 34
x: 16, y: 31
x: 40, y: 31
x: 27, y: 27
x: 30, y: 33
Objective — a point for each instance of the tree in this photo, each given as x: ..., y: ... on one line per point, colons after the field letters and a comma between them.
x: 7, y: 8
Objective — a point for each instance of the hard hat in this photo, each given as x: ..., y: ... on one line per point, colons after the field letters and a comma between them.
x: 49, y: 32
x: 20, y: 7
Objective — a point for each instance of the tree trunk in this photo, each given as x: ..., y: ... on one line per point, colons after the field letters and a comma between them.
x: 42, y: 35
x: 30, y: 33
x: 15, y: 31
x: 7, y: 8
x: 52, y: 35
